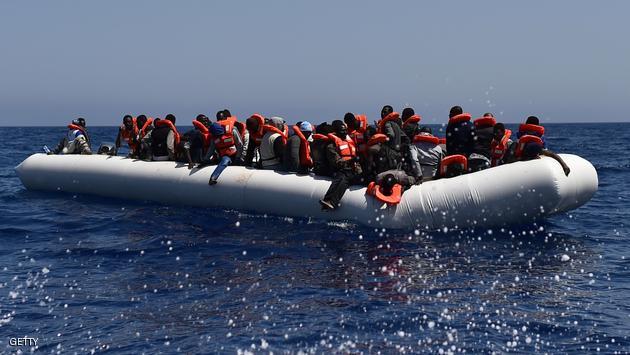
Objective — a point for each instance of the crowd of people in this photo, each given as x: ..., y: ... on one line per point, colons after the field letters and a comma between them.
x: 388, y: 157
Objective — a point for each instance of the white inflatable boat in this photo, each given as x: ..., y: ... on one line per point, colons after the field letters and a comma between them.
x: 514, y: 193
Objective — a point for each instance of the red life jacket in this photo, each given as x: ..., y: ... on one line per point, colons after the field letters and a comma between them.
x: 205, y: 133
x: 377, y: 139
x: 442, y: 140
x: 484, y: 122
x: 462, y: 117
x: 256, y: 137
x: 412, y: 119
x: 425, y: 138
x: 523, y: 141
x: 226, y: 143
x: 393, y: 199
x: 77, y: 127
x: 323, y: 137
x: 453, y: 160
x: 363, y: 122
x: 127, y: 135
x: 531, y: 130
x: 169, y: 124
x: 391, y: 117
x: 143, y: 130
x: 305, y: 148
x: 345, y: 147
x: 498, y: 149
x: 274, y: 129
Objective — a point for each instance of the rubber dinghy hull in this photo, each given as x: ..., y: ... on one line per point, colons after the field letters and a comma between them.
x: 513, y: 193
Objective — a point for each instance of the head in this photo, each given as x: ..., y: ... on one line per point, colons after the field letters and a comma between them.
x: 350, y: 120
x: 387, y: 184
x: 252, y: 125
x: 324, y: 128
x: 531, y: 151
x: 488, y: 114
x: 370, y: 131
x: 386, y: 110
x: 141, y: 120
x: 203, y: 119
x: 340, y: 129
x: 79, y: 122
x: 407, y: 112
x: 306, y: 128
x: 128, y: 122
x: 155, y: 121
x: 277, y: 122
x: 455, y: 110
x: 532, y: 120
x: 499, y: 131
x: 425, y: 130
x: 170, y: 117
x: 227, y: 113
x: 220, y: 115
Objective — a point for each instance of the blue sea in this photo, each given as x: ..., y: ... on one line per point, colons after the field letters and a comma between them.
x: 87, y: 274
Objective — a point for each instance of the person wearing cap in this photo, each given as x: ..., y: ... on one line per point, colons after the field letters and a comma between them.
x: 297, y: 152
x: 76, y: 140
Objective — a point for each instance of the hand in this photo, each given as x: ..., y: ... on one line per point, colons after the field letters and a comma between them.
x: 566, y: 170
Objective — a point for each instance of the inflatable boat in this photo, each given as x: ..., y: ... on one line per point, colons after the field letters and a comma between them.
x: 513, y: 193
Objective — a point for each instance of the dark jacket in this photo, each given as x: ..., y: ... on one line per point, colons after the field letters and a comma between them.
x: 460, y: 138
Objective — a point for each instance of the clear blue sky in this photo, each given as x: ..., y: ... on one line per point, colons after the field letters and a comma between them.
x: 565, y: 61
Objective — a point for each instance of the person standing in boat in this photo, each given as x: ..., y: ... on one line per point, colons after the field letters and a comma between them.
x: 460, y: 133
x: 342, y: 158
x: 76, y: 141
x: 164, y: 139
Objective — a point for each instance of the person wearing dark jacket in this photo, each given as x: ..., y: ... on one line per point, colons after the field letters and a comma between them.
x: 164, y: 139
x: 460, y: 133
x: 391, y: 154
x: 341, y: 155
x: 318, y: 149
x: 481, y: 157
x: 297, y: 152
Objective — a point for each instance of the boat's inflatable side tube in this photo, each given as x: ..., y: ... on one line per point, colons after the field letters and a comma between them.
x: 512, y: 193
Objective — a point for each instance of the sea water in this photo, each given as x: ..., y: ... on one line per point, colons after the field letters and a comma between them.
x: 81, y: 273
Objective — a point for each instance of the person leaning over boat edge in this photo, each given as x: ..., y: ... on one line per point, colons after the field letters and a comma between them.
x: 76, y: 141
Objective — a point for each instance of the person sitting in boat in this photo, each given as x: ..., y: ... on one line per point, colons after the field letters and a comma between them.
x: 127, y: 132
x: 530, y: 147
x: 460, y: 133
x: 164, y: 139
x: 532, y: 127
x: 453, y: 165
x: 342, y: 158
x: 239, y: 132
x: 272, y: 144
x: 411, y: 122
x: 357, y: 127
x: 297, y: 152
x: 76, y: 141
x: 425, y: 154
x: 318, y: 149
x: 500, y: 145
x: 480, y: 158
x: 254, y: 126
x: 143, y: 138
x: 391, y: 152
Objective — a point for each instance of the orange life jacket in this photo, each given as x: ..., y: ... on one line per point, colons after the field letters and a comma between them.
x: 377, y: 139
x: 523, y: 141
x: 451, y: 160
x: 77, y: 127
x: 531, y: 130
x: 412, y: 119
x: 274, y: 129
x: 305, y: 148
x: 129, y: 135
x: 442, y: 140
x: 391, y: 117
x: 226, y: 143
x: 358, y: 135
x: 363, y: 122
x: 256, y: 137
x: 345, y: 147
x: 169, y: 124
x: 498, y: 149
x: 425, y: 138
x: 484, y: 122
x: 462, y: 117
x: 393, y: 199
x: 205, y: 134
